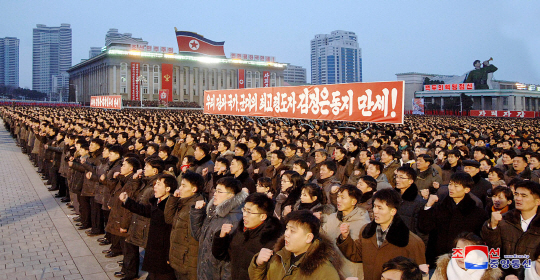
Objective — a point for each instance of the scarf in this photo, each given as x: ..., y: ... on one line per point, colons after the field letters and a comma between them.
x: 530, y: 273
x: 454, y: 272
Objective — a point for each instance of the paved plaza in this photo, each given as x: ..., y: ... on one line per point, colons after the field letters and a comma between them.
x: 38, y: 239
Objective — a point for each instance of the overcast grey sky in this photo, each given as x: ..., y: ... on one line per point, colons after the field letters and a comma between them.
x: 439, y: 37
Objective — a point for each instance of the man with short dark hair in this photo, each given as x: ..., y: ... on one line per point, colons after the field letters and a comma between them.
x: 481, y: 186
x: 401, y: 268
x: 290, y: 154
x: 455, y: 214
x: 516, y: 232
x: 238, y: 169
x: 412, y: 202
x: 274, y: 170
x: 390, y: 164
x: 258, y: 229
x: 386, y: 237
x: 301, y: 253
x: 374, y: 169
x: 330, y: 185
x: 520, y: 170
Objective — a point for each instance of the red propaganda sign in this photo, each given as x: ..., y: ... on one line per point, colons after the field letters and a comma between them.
x: 164, y: 97
x: 466, y: 86
x: 241, y: 78
x: 135, y: 72
x: 167, y: 78
x: 508, y: 114
x: 357, y: 102
x: 106, y: 101
x: 266, y: 78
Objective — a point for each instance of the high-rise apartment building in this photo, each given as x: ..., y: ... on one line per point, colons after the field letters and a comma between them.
x: 94, y: 51
x: 336, y: 58
x: 51, y: 56
x: 295, y: 74
x: 9, y: 61
x: 113, y: 37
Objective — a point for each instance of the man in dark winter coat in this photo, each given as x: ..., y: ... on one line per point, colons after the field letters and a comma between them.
x: 456, y: 213
x: 517, y: 231
x: 412, y: 202
x: 184, y: 247
x: 481, y: 186
x: 157, y: 250
x: 238, y: 170
x: 203, y: 163
x: 258, y: 229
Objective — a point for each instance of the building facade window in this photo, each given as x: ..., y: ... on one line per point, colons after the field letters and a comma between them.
x: 257, y: 79
x: 248, y: 79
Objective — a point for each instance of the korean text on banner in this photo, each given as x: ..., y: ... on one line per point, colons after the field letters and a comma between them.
x: 358, y: 102
x: 266, y: 78
x: 135, y: 72
x: 106, y: 101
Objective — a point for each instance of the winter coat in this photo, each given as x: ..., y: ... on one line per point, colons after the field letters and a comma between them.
x: 120, y: 217
x: 184, y: 247
x: 57, y: 149
x: 366, y: 203
x: 77, y: 177
x: 262, y: 165
x: 410, y: 206
x: 342, y: 173
x: 139, y: 229
x: 110, y: 183
x: 357, y: 219
x: 204, y: 224
x: 228, y: 154
x: 526, y: 174
x: 247, y: 182
x: 200, y: 165
x: 425, y: 179
x: 316, y: 207
x: 400, y: 241
x: 327, y: 185
x: 100, y: 188
x: 444, y: 221
x: 157, y: 250
x: 389, y: 172
x: 509, y: 236
x: 240, y: 246
x: 448, y: 171
x: 290, y: 161
x: 382, y: 182
x: 444, y: 260
x: 275, y: 174
x: 481, y: 188
x: 89, y: 186
x: 320, y: 261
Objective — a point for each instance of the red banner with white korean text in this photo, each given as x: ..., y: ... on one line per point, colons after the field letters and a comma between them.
x: 106, y: 101
x: 507, y: 114
x: 167, y: 79
x: 266, y: 78
x: 135, y: 72
x: 439, y: 87
x: 241, y: 78
x: 380, y: 102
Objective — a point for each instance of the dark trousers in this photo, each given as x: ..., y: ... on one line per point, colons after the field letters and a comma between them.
x: 96, y: 217
x: 131, y: 260
x: 85, y: 210
x: 54, y: 176
x: 105, y: 214
x: 62, y: 186
x: 117, y: 244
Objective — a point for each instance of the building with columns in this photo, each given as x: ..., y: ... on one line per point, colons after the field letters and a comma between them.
x: 502, y: 95
x: 111, y: 73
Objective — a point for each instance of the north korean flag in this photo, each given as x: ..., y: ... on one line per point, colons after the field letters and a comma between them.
x: 195, y: 43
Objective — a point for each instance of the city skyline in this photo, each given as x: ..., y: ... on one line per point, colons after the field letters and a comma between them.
x: 395, y: 37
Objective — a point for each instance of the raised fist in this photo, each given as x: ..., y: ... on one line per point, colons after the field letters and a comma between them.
x: 424, y: 193
x: 116, y: 174
x: 286, y: 210
x: 176, y: 193
x: 225, y: 229
x: 123, y: 196
x: 344, y: 228
x: 199, y: 204
x: 308, y: 175
x: 496, y: 217
x: 102, y: 177
x: 88, y: 175
x: 436, y: 185
x: 432, y: 199
x: 264, y: 256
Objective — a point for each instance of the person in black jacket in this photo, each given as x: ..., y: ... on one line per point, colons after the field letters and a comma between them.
x: 481, y: 186
x: 258, y: 229
x: 238, y: 168
x: 157, y: 248
x: 455, y: 214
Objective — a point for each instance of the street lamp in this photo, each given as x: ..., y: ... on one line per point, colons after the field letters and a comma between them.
x: 141, y: 79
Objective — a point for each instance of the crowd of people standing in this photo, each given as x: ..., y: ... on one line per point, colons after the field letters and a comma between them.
x: 227, y: 197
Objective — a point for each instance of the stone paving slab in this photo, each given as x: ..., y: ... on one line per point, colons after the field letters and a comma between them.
x: 38, y: 240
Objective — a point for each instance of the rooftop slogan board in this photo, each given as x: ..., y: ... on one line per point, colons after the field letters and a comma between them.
x: 380, y: 102
x: 106, y: 101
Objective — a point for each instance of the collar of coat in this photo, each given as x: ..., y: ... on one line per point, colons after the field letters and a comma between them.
x: 242, y: 176
x: 153, y: 200
x: 354, y: 153
x: 149, y: 181
x: 355, y: 215
x: 320, y: 251
x: 514, y: 217
x: 410, y: 193
x: 228, y: 205
x: 430, y: 171
x: 343, y: 161
x: 465, y: 206
x: 366, y: 196
x: 444, y: 260
x: 270, y: 230
x: 203, y: 160
x: 397, y: 235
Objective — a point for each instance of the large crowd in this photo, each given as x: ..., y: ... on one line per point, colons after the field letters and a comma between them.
x: 228, y: 197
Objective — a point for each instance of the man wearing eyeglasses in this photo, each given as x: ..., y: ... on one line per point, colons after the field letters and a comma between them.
x: 258, y: 229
